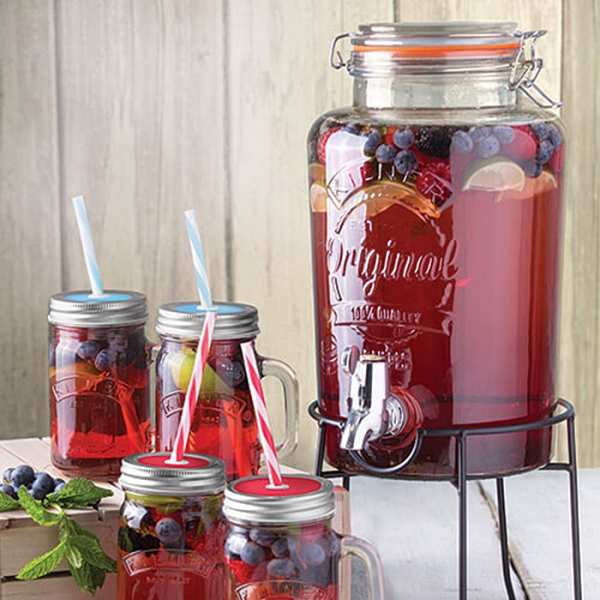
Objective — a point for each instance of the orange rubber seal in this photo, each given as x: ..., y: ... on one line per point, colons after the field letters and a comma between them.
x: 442, y: 51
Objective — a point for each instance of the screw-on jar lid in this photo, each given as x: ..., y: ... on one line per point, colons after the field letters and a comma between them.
x: 185, y: 320
x: 152, y: 473
x: 83, y: 309
x: 304, y: 499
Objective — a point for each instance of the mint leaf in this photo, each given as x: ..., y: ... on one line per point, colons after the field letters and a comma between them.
x: 92, y: 552
x: 36, y: 511
x: 8, y: 503
x: 42, y: 565
x: 82, y: 576
x: 78, y: 492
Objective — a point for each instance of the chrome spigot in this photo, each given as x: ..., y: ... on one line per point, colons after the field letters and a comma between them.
x: 373, y: 411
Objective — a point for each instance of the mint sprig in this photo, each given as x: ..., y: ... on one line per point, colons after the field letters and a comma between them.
x: 86, y: 560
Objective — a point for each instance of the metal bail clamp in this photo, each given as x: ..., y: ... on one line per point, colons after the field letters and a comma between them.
x: 336, y: 60
x: 526, y: 69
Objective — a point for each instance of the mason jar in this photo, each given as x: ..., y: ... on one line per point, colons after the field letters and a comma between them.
x: 224, y: 421
x: 436, y: 206
x: 99, y: 381
x: 171, y: 528
x: 280, y: 542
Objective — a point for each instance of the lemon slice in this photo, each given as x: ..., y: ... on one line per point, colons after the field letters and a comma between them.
x: 496, y: 176
x: 534, y: 188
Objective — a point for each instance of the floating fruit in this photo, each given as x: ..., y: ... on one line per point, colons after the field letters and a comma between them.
x: 318, y: 197
x: 543, y: 184
x: 496, y: 175
x: 182, y: 365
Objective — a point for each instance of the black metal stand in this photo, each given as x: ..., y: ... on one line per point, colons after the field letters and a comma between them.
x: 566, y: 414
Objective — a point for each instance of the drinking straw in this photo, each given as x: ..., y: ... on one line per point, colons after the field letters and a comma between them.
x: 198, y: 258
x: 262, y: 417
x: 210, y: 316
x: 191, y: 396
x: 85, y: 234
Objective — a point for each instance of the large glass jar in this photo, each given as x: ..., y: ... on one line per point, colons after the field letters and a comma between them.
x: 436, y: 204
x: 99, y: 381
x: 280, y: 543
x: 171, y: 529
x: 224, y: 421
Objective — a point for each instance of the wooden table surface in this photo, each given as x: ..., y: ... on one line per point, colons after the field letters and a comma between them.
x: 413, y: 524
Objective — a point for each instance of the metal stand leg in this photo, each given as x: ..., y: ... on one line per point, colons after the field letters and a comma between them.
x: 574, y: 509
x: 462, y: 516
x: 504, y: 538
x: 320, y: 451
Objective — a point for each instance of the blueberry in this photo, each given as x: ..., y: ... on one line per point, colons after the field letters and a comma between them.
x: 406, y: 161
x: 313, y: 555
x: 38, y: 492
x: 22, y: 475
x: 9, y: 490
x: 263, y: 537
x: 544, y: 151
x: 117, y: 340
x: 373, y: 140
x: 44, y: 480
x: 488, y: 146
x: 404, y: 138
x: 235, y: 544
x: 168, y: 531
x: 533, y: 168
x: 504, y: 134
x: 554, y: 135
x: 479, y: 132
x: 462, y: 142
x: 353, y: 128
x: 252, y: 554
x: 7, y: 474
x: 88, y: 350
x: 540, y: 130
x: 280, y: 567
x: 59, y: 484
x: 385, y: 153
x: 280, y: 548
x: 102, y: 361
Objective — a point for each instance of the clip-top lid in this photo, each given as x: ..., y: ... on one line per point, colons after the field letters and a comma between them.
x: 152, y: 473
x: 304, y: 498
x: 185, y: 320
x: 82, y: 309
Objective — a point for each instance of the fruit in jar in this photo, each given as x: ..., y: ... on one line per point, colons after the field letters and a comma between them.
x: 496, y: 175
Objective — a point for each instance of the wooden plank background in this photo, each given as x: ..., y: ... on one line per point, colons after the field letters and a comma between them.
x: 150, y: 107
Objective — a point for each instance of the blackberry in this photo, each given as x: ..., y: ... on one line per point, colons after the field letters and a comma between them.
x: 434, y: 141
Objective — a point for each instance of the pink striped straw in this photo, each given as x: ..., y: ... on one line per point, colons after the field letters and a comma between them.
x: 262, y: 417
x: 191, y: 396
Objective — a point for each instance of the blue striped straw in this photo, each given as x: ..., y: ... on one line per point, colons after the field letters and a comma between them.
x: 85, y: 234
x: 198, y: 258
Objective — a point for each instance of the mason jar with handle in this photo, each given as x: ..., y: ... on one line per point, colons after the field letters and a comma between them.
x: 280, y: 542
x: 224, y: 422
x: 436, y: 206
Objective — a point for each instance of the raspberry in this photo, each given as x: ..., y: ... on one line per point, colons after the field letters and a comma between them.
x: 433, y: 181
x: 322, y: 143
x: 524, y: 145
x: 242, y: 572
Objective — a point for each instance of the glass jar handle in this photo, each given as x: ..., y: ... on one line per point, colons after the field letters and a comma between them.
x: 367, y: 553
x: 271, y: 367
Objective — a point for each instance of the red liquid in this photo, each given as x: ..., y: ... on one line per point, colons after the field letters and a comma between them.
x: 224, y: 423
x: 458, y: 291
x: 286, y: 566
x: 99, y: 411
x: 189, y: 568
